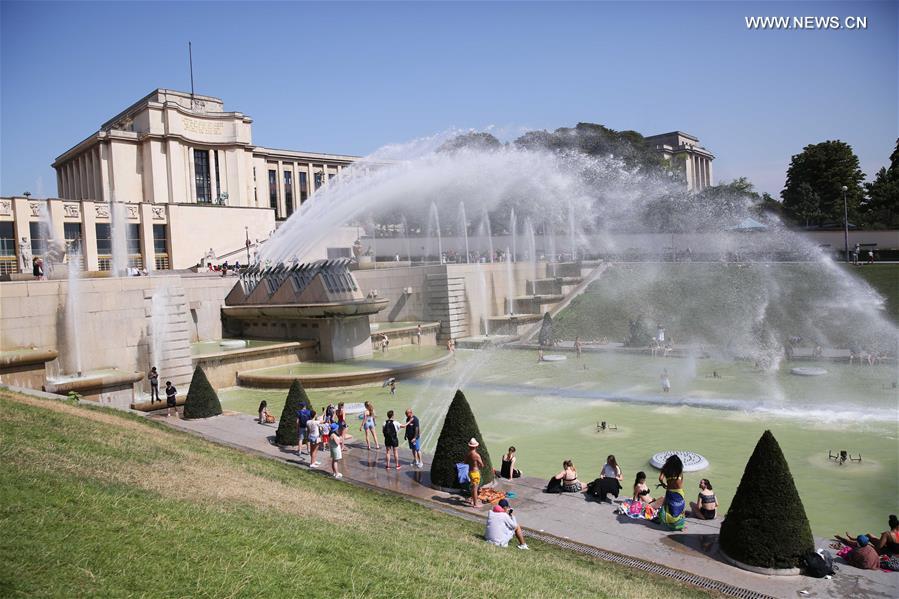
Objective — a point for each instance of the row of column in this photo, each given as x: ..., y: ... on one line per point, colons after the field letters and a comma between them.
x: 702, y: 172
x: 295, y: 169
x: 80, y: 178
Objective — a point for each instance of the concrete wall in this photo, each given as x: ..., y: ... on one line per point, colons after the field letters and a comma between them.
x: 205, y: 297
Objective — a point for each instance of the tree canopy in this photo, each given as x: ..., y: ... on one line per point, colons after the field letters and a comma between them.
x: 881, y: 208
x: 813, y: 190
x: 202, y: 400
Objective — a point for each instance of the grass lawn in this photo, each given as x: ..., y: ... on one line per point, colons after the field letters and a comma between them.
x: 96, y: 502
x: 885, y: 279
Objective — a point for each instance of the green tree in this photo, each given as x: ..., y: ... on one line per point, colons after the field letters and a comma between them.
x: 881, y: 207
x: 287, y: 433
x: 202, y: 401
x: 459, y: 427
x: 474, y: 140
x: 766, y: 525
x: 808, y: 205
x: 769, y: 206
x: 825, y: 167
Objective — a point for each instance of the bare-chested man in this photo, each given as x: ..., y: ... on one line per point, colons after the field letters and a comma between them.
x: 475, y: 463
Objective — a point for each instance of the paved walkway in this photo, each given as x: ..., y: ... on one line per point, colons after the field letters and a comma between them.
x: 565, y: 516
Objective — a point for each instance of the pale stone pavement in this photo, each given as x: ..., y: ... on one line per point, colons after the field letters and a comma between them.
x: 566, y: 516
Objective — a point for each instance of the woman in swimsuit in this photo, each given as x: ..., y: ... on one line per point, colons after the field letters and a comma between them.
x: 507, y: 470
x: 568, y: 476
x: 671, y: 505
x: 368, y: 425
x: 706, y: 505
x: 641, y: 491
x: 886, y: 544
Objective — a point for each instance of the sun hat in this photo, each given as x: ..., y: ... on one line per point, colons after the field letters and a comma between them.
x: 473, y: 442
x: 335, y: 427
x: 862, y: 540
x: 503, y: 503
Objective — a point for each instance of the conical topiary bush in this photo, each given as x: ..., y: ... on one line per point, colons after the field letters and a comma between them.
x: 287, y: 433
x: 459, y: 427
x: 545, y: 338
x: 202, y: 401
x: 766, y: 525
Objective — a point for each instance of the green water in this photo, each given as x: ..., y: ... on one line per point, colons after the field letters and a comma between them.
x: 549, y: 412
x: 395, y: 357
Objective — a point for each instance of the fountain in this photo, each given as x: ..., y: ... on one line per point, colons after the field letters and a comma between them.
x: 406, y: 238
x: 73, y: 310
x: 463, y: 229
x: 118, y: 227
x: 510, y: 284
x: 488, y: 235
x: 513, y: 231
x: 433, y: 234
x: 532, y: 251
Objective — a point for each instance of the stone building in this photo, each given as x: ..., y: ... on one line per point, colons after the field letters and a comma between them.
x: 189, y: 177
x: 684, y: 151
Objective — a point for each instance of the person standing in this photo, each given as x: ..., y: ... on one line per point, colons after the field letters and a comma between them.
x: 475, y: 463
x: 171, y: 395
x: 418, y: 334
x: 335, y: 444
x: 313, y: 436
x: 303, y: 415
x: 665, y: 380
x: 577, y: 347
x: 391, y: 439
x: 153, y: 377
x: 368, y: 425
x: 413, y: 436
x: 340, y: 418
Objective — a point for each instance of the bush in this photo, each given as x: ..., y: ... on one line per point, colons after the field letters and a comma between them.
x: 202, y: 401
x: 459, y: 427
x: 287, y: 433
x: 766, y: 525
x: 546, y: 331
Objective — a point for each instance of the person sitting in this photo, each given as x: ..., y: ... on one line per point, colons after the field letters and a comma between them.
x: 886, y: 544
x: 864, y: 555
x: 671, y: 505
x: 641, y: 491
x: 502, y: 526
x: 706, y: 505
x: 568, y: 477
x: 610, y: 479
x: 264, y: 415
x: 507, y: 470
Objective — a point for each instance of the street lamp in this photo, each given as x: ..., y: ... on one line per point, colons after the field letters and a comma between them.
x: 247, y: 232
x: 845, y: 224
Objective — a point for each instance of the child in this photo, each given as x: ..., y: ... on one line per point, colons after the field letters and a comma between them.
x: 335, y: 444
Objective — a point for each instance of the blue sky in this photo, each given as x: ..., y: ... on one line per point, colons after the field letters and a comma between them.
x: 349, y: 77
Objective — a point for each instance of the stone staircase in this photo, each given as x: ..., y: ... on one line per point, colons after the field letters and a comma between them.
x: 168, y: 334
x: 445, y: 303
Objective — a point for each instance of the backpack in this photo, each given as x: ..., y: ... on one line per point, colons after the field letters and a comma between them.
x: 818, y: 564
x: 389, y: 431
x: 554, y: 485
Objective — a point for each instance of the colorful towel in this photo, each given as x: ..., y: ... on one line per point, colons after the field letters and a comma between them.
x: 637, y: 510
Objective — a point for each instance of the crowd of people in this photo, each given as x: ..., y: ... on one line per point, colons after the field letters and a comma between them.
x: 326, y: 431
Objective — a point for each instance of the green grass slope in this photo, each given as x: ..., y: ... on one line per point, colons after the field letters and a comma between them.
x: 100, y: 503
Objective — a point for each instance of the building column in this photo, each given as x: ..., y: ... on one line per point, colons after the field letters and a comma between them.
x: 89, y: 235
x: 21, y: 215
x: 191, y: 176
x: 55, y: 214
x: 281, y: 204
x: 146, y: 236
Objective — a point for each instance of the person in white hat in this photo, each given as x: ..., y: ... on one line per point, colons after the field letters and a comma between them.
x: 475, y: 463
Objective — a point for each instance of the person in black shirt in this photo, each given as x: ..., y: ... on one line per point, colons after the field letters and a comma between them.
x: 170, y: 398
x: 413, y: 436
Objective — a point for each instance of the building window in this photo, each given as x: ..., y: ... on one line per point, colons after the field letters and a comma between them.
x: 304, y: 187
x: 288, y: 192
x: 104, y: 245
x: 132, y: 239
x: 40, y: 233
x: 7, y: 248
x: 161, y: 247
x: 201, y: 176
x: 273, y: 189
x: 72, y: 233
x: 218, y: 185
x: 318, y: 180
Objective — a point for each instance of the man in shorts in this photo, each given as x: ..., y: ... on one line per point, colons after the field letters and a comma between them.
x: 171, y: 395
x: 475, y: 463
x: 391, y: 439
x: 303, y: 415
x: 413, y: 436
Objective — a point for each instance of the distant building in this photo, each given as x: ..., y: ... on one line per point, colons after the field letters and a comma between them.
x: 684, y: 152
x: 189, y: 176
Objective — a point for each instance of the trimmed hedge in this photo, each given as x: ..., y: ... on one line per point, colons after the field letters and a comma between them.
x: 287, y: 433
x: 459, y: 427
x: 202, y: 400
x: 546, y: 331
x: 766, y: 525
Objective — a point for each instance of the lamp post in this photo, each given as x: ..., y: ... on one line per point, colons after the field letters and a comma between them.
x: 247, y: 232
x: 845, y: 224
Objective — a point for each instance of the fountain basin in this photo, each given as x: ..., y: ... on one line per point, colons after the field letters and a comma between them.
x: 363, y: 307
x: 808, y: 371
x: 112, y: 386
x: 25, y: 367
x: 398, y: 363
x: 221, y: 365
